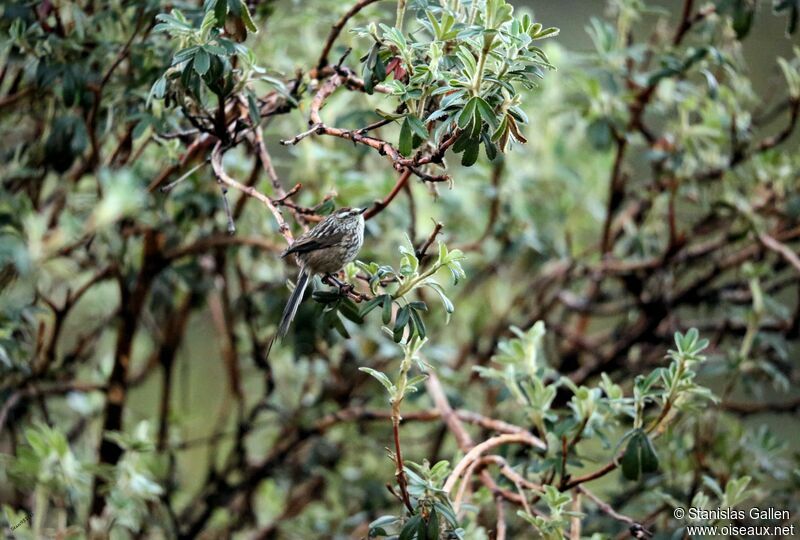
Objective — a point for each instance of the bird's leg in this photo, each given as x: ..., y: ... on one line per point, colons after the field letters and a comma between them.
x: 344, y: 288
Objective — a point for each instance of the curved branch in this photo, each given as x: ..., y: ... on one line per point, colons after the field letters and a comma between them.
x: 488, y: 444
x: 336, y: 29
x: 378, y: 207
x: 343, y: 77
x: 222, y: 176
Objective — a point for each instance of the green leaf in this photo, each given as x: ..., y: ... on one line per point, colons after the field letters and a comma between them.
x: 468, y: 60
x: 368, y: 70
x: 379, y: 70
x: 414, y: 381
x: 376, y: 527
x: 486, y: 112
x: 448, y: 305
x: 446, y: 510
x: 403, y: 315
x: 418, y: 305
x: 736, y: 491
x: 547, y: 33
x: 209, y: 22
x: 384, y: 520
x: 387, y: 115
x: 252, y: 108
x: 350, y: 311
x: 410, y: 528
x: 370, y: 305
x: 159, y: 89
x: 382, y: 378
x: 248, y: 19
x: 422, y: 531
x: 220, y: 11
x: 471, y: 153
x: 461, y: 143
x: 466, y: 116
x: 236, y: 7
x: 437, y: 29
x: 475, y: 128
x: 210, y: 48
x: 140, y: 127
x: 417, y: 127
x: 743, y: 15
x: 649, y: 456
x: 421, y: 332
x: 406, y: 144
x: 640, y: 456
x: 599, y: 134
x: 325, y: 297
x: 433, y: 525
x: 201, y: 62
x: 184, y: 55
x: 387, y: 309
x: 489, y: 147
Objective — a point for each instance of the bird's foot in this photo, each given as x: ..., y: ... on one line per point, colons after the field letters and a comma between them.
x: 344, y: 288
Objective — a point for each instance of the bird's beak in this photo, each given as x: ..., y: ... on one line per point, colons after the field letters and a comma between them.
x: 362, y: 210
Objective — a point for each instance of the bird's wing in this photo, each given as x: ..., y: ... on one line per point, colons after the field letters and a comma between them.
x: 312, y: 243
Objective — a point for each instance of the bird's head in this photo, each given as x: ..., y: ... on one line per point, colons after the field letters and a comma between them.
x: 350, y: 214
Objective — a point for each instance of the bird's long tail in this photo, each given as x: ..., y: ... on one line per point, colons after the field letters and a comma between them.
x: 294, y: 301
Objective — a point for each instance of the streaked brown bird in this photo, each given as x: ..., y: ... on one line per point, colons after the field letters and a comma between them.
x: 325, y: 249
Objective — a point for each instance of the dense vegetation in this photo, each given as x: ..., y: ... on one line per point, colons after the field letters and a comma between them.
x: 579, y: 282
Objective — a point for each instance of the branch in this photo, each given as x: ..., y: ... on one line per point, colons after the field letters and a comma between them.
x: 222, y: 176
x: 423, y: 249
x: 746, y: 409
x: 605, y: 507
x: 378, y: 207
x: 201, y: 245
x: 132, y: 302
x: 436, y: 392
x: 686, y: 22
x: 766, y: 144
x: 782, y: 249
x: 359, y: 414
x: 7, y: 101
x: 500, y: 532
x: 343, y: 77
x: 32, y: 391
x: 492, y: 442
x: 336, y: 29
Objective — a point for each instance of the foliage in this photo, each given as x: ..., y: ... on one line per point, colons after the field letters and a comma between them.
x: 633, y: 199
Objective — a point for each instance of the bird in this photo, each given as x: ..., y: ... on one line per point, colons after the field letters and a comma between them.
x: 325, y: 249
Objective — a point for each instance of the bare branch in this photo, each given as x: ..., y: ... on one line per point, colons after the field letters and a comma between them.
x: 336, y: 29
x: 222, y: 176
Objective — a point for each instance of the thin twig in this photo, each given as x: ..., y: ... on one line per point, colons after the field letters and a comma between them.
x: 423, y: 249
x: 488, y: 444
x: 222, y: 176
x: 783, y: 250
x: 605, y: 507
x: 231, y: 228
x: 500, y: 529
x: 315, y: 128
x: 336, y: 29
x: 184, y: 176
x: 378, y: 206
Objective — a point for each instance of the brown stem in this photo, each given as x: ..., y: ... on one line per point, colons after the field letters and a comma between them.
x: 378, y: 207
x: 423, y: 249
x: 222, y: 176
x: 132, y: 302
x: 336, y: 29
x: 400, y: 474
